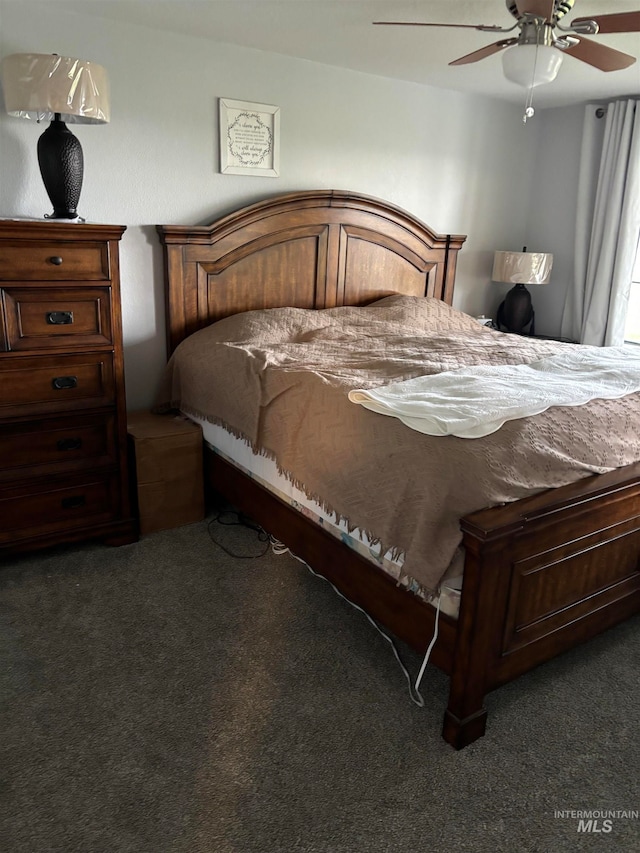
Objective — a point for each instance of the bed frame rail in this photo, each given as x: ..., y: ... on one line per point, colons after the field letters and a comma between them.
x: 408, y: 617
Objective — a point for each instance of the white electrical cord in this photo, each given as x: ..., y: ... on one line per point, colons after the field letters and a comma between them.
x: 414, y: 692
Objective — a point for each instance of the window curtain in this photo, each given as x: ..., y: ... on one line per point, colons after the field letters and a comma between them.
x: 607, y: 225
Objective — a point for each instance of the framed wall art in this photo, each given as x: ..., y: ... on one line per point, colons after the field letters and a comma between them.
x: 249, y: 138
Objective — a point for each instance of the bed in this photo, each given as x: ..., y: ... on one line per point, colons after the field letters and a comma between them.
x: 541, y: 574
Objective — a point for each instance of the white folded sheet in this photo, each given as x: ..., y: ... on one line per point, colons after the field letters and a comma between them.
x: 475, y: 401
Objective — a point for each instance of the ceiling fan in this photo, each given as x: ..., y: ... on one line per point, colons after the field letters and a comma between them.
x: 542, y: 41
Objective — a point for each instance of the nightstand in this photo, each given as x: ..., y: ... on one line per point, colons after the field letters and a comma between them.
x: 64, y: 473
x: 166, y: 451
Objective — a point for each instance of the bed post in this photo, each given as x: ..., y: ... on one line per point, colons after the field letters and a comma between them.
x: 478, y: 639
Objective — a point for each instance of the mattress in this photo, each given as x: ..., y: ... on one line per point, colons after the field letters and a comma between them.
x: 265, y: 471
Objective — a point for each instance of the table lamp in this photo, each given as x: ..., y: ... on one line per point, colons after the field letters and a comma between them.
x: 516, y: 312
x: 59, y: 89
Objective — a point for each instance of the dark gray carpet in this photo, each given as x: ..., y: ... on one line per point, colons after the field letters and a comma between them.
x: 164, y: 697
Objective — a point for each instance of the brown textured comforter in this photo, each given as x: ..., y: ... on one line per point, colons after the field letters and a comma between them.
x: 279, y: 379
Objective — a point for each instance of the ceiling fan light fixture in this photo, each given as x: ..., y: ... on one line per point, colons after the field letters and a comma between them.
x: 531, y: 65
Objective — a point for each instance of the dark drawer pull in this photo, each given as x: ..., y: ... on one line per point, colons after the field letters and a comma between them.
x: 60, y: 383
x: 69, y: 444
x: 56, y: 260
x: 59, y: 318
x: 73, y: 502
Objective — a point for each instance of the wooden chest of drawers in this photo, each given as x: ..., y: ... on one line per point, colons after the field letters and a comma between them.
x: 63, y: 435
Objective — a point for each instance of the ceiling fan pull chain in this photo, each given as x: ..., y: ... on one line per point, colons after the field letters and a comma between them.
x: 528, y: 107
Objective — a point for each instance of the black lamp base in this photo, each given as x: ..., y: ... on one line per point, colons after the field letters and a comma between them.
x: 516, y: 313
x: 62, y: 167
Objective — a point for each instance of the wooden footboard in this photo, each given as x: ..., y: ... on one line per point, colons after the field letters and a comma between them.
x: 541, y: 576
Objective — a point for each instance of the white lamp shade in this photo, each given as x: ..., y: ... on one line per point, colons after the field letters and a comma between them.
x: 531, y: 65
x: 39, y: 85
x: 522, y: 267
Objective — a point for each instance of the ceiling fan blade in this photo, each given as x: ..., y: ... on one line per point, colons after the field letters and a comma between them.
x: 488, y: 50
x: 539, y: 8
x: 620, y: 22
x: 488, y: 27
x: 600, y: 56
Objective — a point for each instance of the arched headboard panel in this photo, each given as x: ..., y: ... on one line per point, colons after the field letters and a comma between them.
x: 310, y: 249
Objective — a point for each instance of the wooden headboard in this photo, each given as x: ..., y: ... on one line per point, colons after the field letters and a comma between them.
x: 310, y: 249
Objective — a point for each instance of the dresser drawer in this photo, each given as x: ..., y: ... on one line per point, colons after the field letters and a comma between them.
x: 45, y: 318
x: 57, y: 445
x: 44, y: 261
x: 58, y: 504
x: 55, y: 384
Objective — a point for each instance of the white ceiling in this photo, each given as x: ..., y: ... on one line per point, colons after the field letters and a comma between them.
x: 340, y: 33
